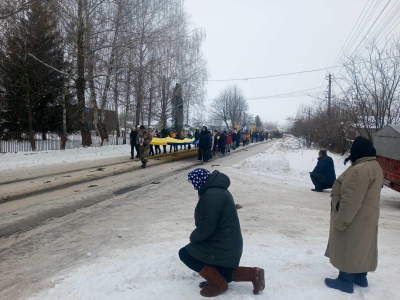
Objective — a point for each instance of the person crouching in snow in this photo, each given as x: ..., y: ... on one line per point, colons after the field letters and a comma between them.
x: 323, y: 176
x: 216, y: 244
x: 353, y: 235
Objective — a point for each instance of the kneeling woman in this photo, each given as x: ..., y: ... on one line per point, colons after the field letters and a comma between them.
x: 216, y: 244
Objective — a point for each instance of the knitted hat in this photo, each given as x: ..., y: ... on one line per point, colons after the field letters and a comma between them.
x: 198, y: 177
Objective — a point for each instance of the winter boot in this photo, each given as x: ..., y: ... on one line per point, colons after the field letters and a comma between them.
x: 131, y: 157
x: 216, y: 282
x: 343, y: 283
x: 360, y: 279
x: 255, y: 275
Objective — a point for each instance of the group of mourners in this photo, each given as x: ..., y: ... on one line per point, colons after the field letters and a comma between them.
x: 141, y: 138
x: 210, y: 143
x: 216, y: 244
x: 213, y: 143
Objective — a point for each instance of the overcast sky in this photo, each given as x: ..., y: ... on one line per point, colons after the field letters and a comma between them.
x: 252, y: 38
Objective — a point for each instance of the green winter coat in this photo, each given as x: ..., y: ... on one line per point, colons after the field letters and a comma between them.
x: 217, y: 239
x: 353, y: 236
x: 143, y: 133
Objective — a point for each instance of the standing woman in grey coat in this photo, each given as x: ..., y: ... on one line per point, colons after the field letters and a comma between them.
x: 353, y: 235
x: 216, y: 244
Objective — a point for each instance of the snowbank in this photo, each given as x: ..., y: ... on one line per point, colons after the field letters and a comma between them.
x: 11, y: 161
x: 286, y: 160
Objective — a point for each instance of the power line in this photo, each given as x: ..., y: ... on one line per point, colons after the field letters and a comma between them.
x: 355, y: 50
x: 346, y: 45
x: 269, y: 76
x: 358, y: 31
x: 341, y: 50
x: 355, y: 37
x: 294, y: 73
x: 286, y: 95
x: 281, y: 96
x: 381, y: 28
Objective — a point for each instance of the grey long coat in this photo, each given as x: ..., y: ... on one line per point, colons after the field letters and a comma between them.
x: 353, y: 235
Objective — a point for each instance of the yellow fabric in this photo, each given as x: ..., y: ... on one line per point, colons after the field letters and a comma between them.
x: 165, y: 141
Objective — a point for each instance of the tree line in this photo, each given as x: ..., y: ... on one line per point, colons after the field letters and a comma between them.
x: 60, y: 57
x: 368, y: 99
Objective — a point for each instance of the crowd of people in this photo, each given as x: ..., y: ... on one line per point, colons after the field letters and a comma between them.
x: 210, y: 143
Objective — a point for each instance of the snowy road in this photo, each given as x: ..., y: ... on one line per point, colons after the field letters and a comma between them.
x: 125, y: 247
x: 37, y: 194
x: 51, y: 196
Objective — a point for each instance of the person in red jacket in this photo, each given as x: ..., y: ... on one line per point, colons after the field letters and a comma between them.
x: 228, y: 143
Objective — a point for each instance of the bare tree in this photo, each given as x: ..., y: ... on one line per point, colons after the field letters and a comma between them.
x: 230, y: 107
x: 370, y: 89
x: 303, y: 125
x: 10, y: 8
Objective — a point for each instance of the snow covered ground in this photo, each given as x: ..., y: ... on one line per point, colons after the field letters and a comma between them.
x: 285, y: 229
x: 11, y: 161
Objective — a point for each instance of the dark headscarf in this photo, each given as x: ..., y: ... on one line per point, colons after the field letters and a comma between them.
x: 361, y: 147
x: 198, y: 177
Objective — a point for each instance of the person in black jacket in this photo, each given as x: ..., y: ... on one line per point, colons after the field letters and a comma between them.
x: 204, y: 145
x: 216, y: 244
x: 164, y: 134
x: 222, y: 143
x: 196, y: 137
x: 323, y: 176
x: 234, y: 139
x: 238, y: 139
x: 133, y: 136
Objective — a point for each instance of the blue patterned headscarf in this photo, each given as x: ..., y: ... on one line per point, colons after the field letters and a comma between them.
x: 198, y: 177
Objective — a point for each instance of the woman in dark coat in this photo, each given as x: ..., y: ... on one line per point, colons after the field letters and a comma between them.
x: 216, y: 244
x: 222, y: 143
x: 234, y: 140
x: 238, y: 139
x: 204, y: 142
x: 196, y: 137
x: 133, y: 136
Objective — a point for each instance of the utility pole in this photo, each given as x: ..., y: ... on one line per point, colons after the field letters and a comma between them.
x: 329, y: 110
x: 329, y: 95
